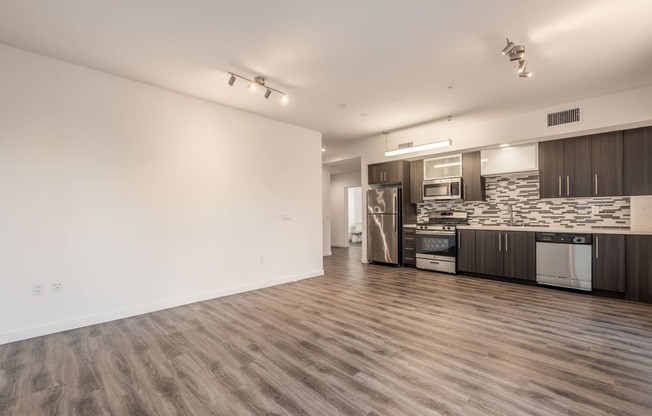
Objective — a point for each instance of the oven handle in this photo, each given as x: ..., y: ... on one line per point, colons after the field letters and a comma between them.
x: 424, y: 232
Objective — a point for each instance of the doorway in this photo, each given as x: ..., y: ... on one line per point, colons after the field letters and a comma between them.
x: 353, y: 221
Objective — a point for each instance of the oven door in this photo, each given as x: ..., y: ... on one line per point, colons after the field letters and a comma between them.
x: 436, y: 245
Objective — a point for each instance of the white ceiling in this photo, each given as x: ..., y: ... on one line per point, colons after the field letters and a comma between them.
x: 392, y: 60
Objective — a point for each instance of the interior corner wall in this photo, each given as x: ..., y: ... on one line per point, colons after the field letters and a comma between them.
x: 139, y: 199
x: 326, y: 211
x: 339, y: 183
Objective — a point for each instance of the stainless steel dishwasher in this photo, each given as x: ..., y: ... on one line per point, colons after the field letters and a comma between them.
x: 564, y: 260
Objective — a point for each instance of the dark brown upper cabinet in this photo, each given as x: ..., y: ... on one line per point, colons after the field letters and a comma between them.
x: 637, y: 158
x: 416, y: 181
x: 386, y: 173
x: 472, y: 182
x: 565, y: 168
x: 582, y: 166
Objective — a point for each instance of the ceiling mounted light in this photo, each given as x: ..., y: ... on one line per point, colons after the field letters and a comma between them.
x: 428, y: 146
x: 517, y: 53
x: 508, y: 48
x: 258, y: 82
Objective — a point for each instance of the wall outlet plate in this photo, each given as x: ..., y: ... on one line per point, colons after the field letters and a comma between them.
x: 57, y: 286
x: 37, y: 289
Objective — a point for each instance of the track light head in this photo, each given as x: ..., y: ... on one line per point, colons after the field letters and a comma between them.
x: 517, y: 53
x: 521, y: 65
x: 254, y: 84
x: 232, y: 80
x: 268, y: 93
x: 508, y: 48
x: 525, y: 74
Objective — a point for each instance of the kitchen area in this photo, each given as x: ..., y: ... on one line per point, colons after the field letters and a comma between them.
x: 572, y: 213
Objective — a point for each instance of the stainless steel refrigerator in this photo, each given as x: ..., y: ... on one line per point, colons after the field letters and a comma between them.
x: 383, y: 225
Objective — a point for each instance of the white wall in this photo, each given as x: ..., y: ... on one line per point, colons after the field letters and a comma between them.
x: 326, y: 211
x: 354, y: 207
x: 339, y: 183
x: 140, y: 199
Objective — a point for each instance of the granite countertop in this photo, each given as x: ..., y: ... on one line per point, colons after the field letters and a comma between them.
x: 588, y: 230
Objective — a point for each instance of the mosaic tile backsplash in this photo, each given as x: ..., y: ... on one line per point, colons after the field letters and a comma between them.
x: 522, y: 192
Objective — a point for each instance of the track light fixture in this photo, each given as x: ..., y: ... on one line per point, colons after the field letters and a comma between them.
x: 508, y: 48
x: 258, y: 82
x: 517, y: 53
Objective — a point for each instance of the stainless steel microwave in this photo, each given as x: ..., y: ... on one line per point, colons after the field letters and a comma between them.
x: 448, y: 188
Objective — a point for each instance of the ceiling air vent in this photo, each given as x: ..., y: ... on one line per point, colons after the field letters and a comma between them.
x: 405, y: 145
x: 564, y: 117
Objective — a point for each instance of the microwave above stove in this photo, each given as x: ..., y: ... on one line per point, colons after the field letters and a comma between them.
x: 438, y: 189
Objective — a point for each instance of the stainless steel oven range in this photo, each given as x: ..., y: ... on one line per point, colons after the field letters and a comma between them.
x: 436, y: 241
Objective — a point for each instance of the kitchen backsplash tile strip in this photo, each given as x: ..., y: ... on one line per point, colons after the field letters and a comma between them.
x: 522, y: 192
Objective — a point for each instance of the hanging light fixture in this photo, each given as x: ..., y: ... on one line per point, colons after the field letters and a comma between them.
x: 428, y: 146
x: 253, y: 84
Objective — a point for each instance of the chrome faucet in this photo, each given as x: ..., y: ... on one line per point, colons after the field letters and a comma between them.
x: 510, y: 211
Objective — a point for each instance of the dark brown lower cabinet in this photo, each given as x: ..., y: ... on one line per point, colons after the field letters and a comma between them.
x: 520, y: 255
x: 609, y: 262
x: 638, y: 267
x: 506, y: 254
x: 466, y: 251
x: 409, y: 255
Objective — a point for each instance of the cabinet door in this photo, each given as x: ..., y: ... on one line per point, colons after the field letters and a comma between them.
x: 489, y: 252
x: 551, y: 169
x: 577, y: 166
x: 609, y: 262
x: 394, y: 172
x: 607, y: 164
x: 471, y: 179
x: 638, y: 267
x: 442, y: 167
x: 376, y: 173
x: 416, y: 182
x: 519, y: 250
x: 466, y: 251
x: 637, y: 154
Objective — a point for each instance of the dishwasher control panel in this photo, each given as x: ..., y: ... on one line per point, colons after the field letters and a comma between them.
x: 564, y: 238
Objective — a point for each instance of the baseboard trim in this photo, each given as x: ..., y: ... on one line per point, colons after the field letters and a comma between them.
x: 328, y: 253
x: 66, y: 325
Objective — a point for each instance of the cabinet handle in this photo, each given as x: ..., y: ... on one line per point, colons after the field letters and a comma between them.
x: 409, y: 238
x: 596, y: 184
x: 506, y: 249
x: 567, y: 185
x: 464, y: 196
x: 597, y: 247
x: 560, y: 186
x: 500, y: 242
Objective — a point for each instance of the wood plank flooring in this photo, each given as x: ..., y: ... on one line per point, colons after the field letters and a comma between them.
x: 362, y: 340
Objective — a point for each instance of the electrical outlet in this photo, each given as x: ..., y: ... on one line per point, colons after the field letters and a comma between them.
x: 57, y: 286
x: 261, y: 259
x: 37, y: 289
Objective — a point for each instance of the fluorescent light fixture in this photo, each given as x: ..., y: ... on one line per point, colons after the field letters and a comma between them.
x: 268, y: 93
x: 419, y: 148
x: 232, y: 80
x: 504, y: 145
x: 508, y: 48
